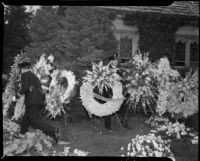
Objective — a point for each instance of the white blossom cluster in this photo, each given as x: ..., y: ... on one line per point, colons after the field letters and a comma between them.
x: 164, y: 76
x: 183, y: 96
x: 171, y: 131
x: 54, y: 104
x: 43, y: 67
x: 163, y: 73
x: 149, y: 146
x: 19, y: 108
x: 102, y: 76
x: 59, y: 95
x: 66, y: 152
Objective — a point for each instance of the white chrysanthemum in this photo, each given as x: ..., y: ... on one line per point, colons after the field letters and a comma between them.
x: 19, y: 108
x: 92, y: 106
x: 42, y: 67
x: 51, y: 58
x: 150, y: 145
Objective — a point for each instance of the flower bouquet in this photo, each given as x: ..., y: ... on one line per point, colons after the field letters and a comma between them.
x: 101, y: 77
x: 140, y: 83
x: 149, y: 146
x: 171, y: 131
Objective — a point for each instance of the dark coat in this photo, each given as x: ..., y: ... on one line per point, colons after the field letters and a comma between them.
x: 31, y: 87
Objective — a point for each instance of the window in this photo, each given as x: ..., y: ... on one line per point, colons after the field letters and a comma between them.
x: 180, y: 54
x: 126, y: 47
x: 194, y: 54
x: 127, y: 37
x: 187, y: 47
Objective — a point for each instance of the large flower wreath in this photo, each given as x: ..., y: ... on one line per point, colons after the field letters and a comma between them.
x: 101, y: 76
x: 57, y: 96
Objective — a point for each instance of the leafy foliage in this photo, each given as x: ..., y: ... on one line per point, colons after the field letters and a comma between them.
x: 17, y: 144
x: 16, y: 35
x: 75, y: 36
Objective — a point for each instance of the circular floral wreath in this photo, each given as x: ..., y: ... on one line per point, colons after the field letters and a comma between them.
x: 55, y: 98
x: 94, y: 107
x: 71, y: 83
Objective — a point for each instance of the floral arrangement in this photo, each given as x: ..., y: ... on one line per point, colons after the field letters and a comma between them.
x: 140, y: 82
x: 165, y: 77
x: 183, y: 96
x: 71, y: 79
x: 54, y: 105
x: 14, y: 79
x: 101, y: 77
x: 93, y: 107
x: 58, y: 95
x: 149, y: 146
x: 43, y: 66
x: 170, y: 131
x: 16, y: 144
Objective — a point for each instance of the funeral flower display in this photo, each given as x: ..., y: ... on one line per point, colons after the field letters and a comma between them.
x: 183, y: 96
x: 171, y: 131
x: 13, y: 83
x: 58, y: 94
x: 165, y: 77
x: 149, y: 146
x: 71, y: 80
x: 101, y: 76
x: 141, y: 83
x: 43, y: 66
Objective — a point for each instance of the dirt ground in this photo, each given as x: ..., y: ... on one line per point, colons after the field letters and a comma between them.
x: 98, y: 141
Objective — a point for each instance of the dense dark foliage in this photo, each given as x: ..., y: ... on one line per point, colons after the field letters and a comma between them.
x: 15, y: 33
x: 75, y: 36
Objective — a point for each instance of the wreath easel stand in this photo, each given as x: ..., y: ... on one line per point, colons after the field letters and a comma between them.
x: 108, y: 99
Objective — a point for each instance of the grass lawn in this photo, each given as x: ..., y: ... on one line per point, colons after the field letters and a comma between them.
x: 98, y: 141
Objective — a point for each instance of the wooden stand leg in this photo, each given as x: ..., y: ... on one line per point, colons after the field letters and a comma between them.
x: 118, y: 121
x: 65, y: 128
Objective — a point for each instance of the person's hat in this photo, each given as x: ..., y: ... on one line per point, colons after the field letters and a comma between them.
x: 25, y: 64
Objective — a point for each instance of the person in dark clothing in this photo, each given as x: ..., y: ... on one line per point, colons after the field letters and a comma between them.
x: 34, y: 102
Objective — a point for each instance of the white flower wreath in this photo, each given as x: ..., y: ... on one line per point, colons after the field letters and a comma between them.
x: 71, y: 83
x: 56, y: 98
x: 92, y: 106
